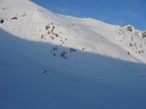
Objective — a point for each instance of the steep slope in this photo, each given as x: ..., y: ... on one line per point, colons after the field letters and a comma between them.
x: 32, y: 22
x: 31, y: 78
x: 50, y: 61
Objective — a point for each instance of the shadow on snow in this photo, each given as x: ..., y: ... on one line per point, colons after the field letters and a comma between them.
x: 35, y: 75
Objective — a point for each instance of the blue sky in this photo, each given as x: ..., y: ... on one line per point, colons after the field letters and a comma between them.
x: 119, y: 12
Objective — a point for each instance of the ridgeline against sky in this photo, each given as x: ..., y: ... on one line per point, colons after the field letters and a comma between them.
x: 117, y: 12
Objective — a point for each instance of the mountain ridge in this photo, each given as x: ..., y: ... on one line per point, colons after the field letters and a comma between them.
x: 78, y: 33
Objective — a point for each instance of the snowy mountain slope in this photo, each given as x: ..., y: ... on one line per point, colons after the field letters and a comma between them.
x: 83, y: 34
x: 61, y: 62
x: 30, y: 77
